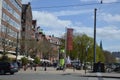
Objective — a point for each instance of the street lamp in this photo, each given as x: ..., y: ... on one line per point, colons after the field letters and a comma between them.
x: 17, y: 46
x: 86, y: 56
x: 79, y: 43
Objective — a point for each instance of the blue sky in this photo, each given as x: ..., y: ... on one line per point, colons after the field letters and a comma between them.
x: 80, y: 17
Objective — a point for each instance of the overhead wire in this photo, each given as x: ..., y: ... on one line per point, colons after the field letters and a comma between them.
x: 74, y: 5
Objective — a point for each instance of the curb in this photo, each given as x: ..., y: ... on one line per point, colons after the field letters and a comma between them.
x: 100, y: 76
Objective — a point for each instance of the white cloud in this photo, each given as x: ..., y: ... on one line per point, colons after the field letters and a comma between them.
x: 72, y: 12
x: 50, y: 21
x: 56, y: 26
x: 109, y: 32
x: 113, y: 48
x: 106, y: 33
x: 109, y: 17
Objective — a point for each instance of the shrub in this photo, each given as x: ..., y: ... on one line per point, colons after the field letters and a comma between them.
x: 24, y: 61
x: 37, y: 60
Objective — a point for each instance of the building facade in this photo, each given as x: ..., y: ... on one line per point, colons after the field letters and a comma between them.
x: 26, y: 29
x: 55, y: 44
x: 10, y: 24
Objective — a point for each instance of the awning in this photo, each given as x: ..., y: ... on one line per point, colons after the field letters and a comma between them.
x: 31, y: 59
x: 45, y: 60
x: 12, y: 52
x: 19, y: 57
x: 11, y: 56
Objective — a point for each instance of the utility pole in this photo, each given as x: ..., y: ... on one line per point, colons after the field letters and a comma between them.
x: 95, y: 10
x: 17, y: 46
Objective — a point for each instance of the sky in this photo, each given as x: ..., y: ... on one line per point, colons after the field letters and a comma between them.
x: 53, y: 16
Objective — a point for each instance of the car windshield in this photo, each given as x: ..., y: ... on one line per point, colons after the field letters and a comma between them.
x: 15, y: 64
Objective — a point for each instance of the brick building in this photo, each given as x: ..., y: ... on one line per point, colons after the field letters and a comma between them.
x: 26, y: 29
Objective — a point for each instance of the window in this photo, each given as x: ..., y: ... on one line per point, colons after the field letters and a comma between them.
x: 11, y: 11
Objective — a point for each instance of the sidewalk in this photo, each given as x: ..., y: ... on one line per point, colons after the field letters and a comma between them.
x: 105, y: 75
x: 82, y: 73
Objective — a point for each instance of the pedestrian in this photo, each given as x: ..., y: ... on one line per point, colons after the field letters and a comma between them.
x: 35, y: 67
x: 25, y: 67
x: 45, y: 65
x: 31, y: 65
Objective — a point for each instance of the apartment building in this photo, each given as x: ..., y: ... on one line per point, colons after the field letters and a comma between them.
x: 10, y: 24
x: 26, y: 30
x: 55, y: 43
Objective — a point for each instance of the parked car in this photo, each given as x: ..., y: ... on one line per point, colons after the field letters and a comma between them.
x: 8, y: 67
x: 60, y: 68
x: 76, y: 64
x: 117, y: 69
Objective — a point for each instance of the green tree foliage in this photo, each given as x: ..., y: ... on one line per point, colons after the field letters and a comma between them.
x: 99, y: 54
x: 37, y: 60
x: 80, y: 44
x: 101, y: 47
x: 24, y: 61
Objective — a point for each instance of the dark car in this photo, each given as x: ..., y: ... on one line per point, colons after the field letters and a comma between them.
x: 8, y: 67
x: 60, y: 68
x: 76, y: 64
x: 117, y: 69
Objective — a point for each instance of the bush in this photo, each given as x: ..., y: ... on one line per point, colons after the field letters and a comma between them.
x: 24, y: 61
x: 37, y: 60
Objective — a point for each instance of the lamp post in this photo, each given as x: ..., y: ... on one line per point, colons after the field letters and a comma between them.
x: 86, y: 56
x: 17, y: 46
x: 79, y: 43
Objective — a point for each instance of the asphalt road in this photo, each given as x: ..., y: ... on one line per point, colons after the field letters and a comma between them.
x: 45, y: 75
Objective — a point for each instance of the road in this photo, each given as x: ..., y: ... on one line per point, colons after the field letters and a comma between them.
x: 49, y: 75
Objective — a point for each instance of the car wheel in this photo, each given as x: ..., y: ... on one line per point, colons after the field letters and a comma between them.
x: 2, y: 72
x: 11, y: 73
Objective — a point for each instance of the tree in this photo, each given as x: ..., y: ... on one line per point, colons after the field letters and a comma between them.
x: 80, y: 43
x: 44, y: 47
x: 101, y: 47
x: 24, y: 61
x: 8, y: 42
x: 28, y: 47
x: 36, y: 60
x: 31, y: 45
x: 109, y: 58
